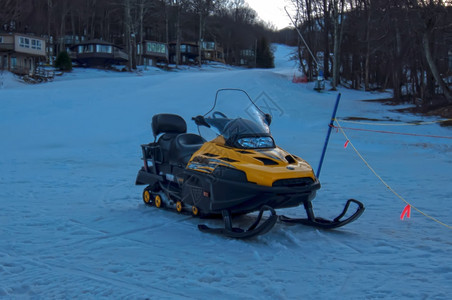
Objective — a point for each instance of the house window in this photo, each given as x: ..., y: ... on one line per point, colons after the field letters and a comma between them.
x: 208, y: 45
x: 88, y: 49
x: 247, y: 52
x: 24, y: 42
x: 36, y: 44
x: 1, y: 39
x: 156, y: 48
x: 104, y: 49
x: 13, y: 62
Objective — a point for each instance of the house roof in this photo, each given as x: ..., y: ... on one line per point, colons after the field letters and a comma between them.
x: 29, y: 35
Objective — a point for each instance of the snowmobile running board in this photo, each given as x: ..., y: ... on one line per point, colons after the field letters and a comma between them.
x: 323, y: 223
x: 239, y: 233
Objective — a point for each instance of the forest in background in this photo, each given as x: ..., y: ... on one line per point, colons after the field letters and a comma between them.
x: 403, y: 45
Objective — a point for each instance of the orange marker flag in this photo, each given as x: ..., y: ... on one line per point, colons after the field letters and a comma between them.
x: 406, y: 212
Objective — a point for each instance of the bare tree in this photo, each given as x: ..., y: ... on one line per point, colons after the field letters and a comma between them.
x: 128, y: 33
x: 203, y: 8
x: 433, y: 15
x: 338, y: 33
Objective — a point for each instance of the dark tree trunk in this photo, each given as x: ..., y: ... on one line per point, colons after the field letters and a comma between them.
x: 433, y: 68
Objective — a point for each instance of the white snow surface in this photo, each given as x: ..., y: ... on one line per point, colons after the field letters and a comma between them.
x: 73, y: 225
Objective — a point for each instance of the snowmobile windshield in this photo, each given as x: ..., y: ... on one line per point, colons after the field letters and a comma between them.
x: 238, y: 119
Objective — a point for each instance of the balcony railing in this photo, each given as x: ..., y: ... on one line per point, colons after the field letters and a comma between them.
x: 118, y: 54
x: 6, y: 46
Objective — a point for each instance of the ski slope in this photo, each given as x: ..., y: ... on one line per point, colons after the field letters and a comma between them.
x: 73, y: 225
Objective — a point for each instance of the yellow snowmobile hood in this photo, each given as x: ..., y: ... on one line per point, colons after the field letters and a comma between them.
x: 261, y: 166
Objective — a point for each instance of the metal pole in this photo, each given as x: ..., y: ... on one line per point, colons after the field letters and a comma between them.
x: 330, y: 127
x: 301, y: 36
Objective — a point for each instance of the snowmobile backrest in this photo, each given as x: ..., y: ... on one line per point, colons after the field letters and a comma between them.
x: 168, y: 123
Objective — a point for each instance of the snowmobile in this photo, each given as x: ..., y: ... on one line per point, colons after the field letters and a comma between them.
x: 239, y: 171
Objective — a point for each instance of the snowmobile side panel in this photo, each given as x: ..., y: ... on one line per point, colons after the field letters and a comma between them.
x: 144, y: 177
x: 215, y: 194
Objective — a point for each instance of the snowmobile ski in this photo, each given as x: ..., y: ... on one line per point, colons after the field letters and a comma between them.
x: 234, y: 232
x: 311, y: 220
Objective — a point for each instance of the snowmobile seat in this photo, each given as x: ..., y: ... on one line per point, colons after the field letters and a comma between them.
x: 176, y: 146
x: 183, y: 147
x: 168, y: 123
x: 164, y: 144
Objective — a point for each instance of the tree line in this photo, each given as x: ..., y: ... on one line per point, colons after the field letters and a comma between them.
x: 231, y: 23
x: 403, y: 45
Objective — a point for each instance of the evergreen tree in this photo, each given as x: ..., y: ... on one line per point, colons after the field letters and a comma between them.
x: 264, y: 55
x: 63, y: 61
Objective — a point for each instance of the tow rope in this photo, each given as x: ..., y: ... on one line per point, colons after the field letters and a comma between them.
x: 406, y: 210
x: 393, y: 132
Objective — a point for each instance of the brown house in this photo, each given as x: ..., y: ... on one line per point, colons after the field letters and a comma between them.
x: 21, y: 53
x: 211, y: 51
x: 188, y: 52
x: 247, y: 58
x: 154, y: 52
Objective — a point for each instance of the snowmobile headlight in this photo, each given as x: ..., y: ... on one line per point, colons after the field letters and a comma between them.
x: 256, y: 142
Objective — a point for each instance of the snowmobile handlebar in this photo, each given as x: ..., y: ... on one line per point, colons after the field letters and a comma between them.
x: 200, y: 121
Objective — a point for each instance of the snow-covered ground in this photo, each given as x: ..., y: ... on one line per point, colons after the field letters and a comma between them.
x: 73, y: 225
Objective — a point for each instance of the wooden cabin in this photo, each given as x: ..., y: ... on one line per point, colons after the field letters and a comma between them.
x: 211, y: 51
x: 21, y: 53
x: 154, y: 53
x: 188, y: 52
x: 98, y: 53
x: 247, y: 58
